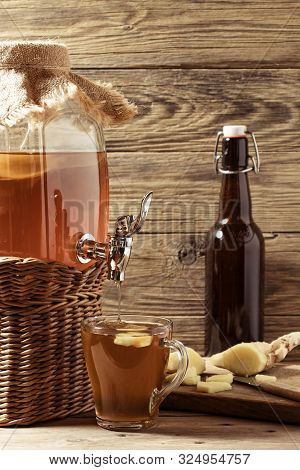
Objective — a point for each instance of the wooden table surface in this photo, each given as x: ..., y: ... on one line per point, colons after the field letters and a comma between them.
x: 191, y: 68
x: 174, y: 430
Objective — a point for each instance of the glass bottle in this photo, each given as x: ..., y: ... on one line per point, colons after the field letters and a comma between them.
x: 234, y: 261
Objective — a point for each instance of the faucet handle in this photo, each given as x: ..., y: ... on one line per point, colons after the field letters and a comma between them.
x: 117, y: 251
x: 121, y: 241
x: 138, y: 221
x: 122, y: 225
x: 127, y: 225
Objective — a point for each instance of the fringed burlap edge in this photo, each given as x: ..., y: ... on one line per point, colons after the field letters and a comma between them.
x: 36, y: 82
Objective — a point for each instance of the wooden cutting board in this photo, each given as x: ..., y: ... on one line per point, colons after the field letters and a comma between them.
x: 242, y: 401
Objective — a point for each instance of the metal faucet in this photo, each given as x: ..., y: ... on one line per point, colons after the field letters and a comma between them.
x: 117, y: 250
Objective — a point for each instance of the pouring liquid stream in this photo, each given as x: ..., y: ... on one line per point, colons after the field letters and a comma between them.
x: 119, y: 300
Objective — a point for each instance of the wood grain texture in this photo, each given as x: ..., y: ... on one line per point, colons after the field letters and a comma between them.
x: 185, y: 34
x: 168, y: 148
x: 180, y: 111
x: 173, y: 431
x: 158, y: 263
x: 243, y: 401
x: 161, y: 282
x: 186, y: 191
x: 191, y: 66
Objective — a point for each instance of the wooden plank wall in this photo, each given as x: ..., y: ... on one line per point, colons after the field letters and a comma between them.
x: 191, y: 66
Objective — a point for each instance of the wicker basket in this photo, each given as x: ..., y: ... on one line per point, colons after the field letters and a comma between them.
x: 42, y: 369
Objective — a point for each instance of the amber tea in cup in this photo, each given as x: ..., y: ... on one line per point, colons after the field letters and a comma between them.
x: 126, y: 362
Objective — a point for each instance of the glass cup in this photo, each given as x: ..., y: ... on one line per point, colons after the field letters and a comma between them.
x: 126, y: 362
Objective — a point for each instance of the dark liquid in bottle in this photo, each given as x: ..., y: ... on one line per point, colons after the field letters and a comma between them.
x: 234, y: 261
x: 123, y: 377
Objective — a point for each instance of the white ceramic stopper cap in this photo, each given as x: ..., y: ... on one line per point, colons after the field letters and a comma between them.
x: 234, y: 131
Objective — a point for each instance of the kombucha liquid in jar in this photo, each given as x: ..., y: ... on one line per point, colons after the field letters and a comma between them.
x: 234, y: 264
x: 49, y: 197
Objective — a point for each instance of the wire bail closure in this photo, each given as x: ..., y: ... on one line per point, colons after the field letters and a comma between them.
x: 255, y: 160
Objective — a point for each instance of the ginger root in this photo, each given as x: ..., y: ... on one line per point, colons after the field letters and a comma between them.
x: 228, y: 378
x: 251, y: 358
x: 210, y: 369
x: 195, y: 360
x: 133, y: 339
x: 260, y: 378
x: 242, y: 359
x: 212, y: 387
x: 191, y: 377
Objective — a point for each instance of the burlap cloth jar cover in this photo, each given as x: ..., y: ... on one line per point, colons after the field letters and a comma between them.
x: 42, y: 369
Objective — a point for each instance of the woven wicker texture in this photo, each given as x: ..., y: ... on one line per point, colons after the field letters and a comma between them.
x: 42, y: 368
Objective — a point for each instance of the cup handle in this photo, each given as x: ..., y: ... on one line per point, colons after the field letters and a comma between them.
x: 159, y: 395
